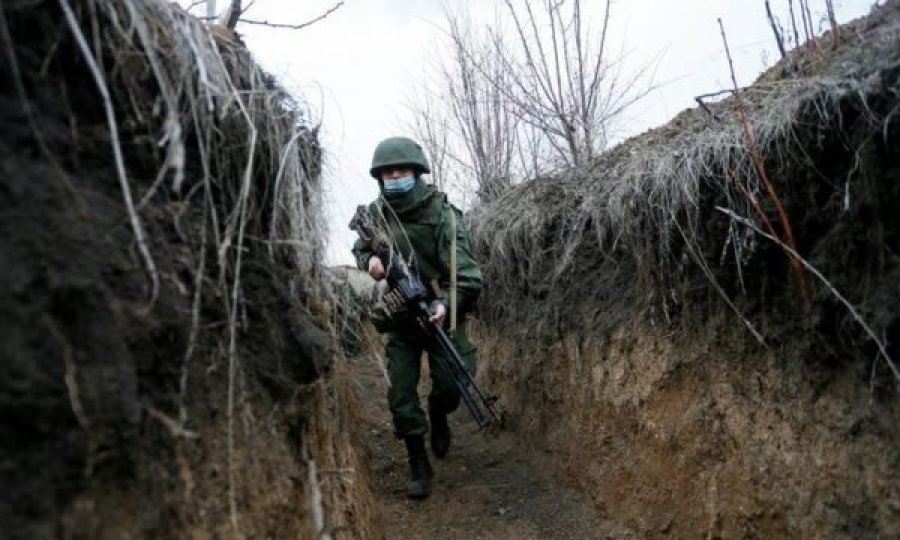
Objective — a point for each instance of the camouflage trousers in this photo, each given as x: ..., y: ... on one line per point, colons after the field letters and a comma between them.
x: 404, y: 353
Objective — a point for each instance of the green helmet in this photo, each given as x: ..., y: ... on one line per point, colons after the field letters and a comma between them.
x: 398, y: 151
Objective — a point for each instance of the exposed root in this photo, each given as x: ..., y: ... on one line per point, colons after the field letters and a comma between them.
x: 118, y: 158
x: 882, y: 349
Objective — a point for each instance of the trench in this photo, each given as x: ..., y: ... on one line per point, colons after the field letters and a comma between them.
x: 492, y: 484
x: 208, y: 396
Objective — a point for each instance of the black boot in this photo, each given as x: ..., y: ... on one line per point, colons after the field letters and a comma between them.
x: 420, y: 472
x: 440, y: 432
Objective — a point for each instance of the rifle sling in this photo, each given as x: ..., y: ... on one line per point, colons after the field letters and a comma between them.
x: 452, y: 271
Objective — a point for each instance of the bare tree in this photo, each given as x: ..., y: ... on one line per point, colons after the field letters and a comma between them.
x: 480, y: 109
x: 517, y: 107
x: 565, y: 84
x: 467, y: 125
x: 430, y: 127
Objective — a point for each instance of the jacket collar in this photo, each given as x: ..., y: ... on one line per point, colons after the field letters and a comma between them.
x: 411, y: 202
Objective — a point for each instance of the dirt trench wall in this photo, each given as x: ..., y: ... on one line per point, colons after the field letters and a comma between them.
x: 703, y: 433
x: 129, y: 413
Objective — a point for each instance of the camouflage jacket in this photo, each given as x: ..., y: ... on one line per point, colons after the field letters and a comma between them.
x: 420, y: 226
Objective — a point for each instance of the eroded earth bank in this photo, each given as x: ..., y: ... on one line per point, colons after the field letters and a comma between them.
x: 647, y: 324
x: 167, y: 371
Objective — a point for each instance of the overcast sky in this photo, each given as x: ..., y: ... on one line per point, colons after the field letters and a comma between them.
x: 355, y: 67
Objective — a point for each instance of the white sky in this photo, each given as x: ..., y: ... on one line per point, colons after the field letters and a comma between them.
x: 355, y: 67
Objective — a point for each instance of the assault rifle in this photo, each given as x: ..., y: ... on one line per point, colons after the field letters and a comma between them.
x: 415, y: 296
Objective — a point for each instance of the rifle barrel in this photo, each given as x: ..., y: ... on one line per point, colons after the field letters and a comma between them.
x: 464, y: 380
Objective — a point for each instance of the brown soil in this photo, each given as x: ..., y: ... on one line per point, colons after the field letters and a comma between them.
x: 491, y: 485
x: 114, y: 414
x: 701, y: 433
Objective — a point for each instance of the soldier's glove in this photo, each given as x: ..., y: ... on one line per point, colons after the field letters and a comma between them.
x: 438, y: 312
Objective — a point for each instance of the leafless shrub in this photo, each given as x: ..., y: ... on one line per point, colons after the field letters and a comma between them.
x: 515, y: 108
x: 565, y: 83
x: 462, y: 116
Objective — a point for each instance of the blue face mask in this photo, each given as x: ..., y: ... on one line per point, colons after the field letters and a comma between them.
x: 400, y: 185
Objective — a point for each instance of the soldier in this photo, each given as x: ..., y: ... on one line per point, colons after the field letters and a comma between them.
x: 424, y: 227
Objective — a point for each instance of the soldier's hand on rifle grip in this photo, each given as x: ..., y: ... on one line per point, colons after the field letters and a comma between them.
x: 438, y: 313
x: 376, y: 268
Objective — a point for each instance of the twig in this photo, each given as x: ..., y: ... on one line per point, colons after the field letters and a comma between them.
x: 698, y: 258
x: 719, y: 93
x: 753, y: 202
x: 758, y: 163
x: 249, y: 5
x: 288, y: 150
x: 699, y: 99
x: 715, y: 116
x: 71, y: 380
x: 779, y: 39
x: 234, y: 13
x: 116, y: 147
x: 175, y: 427
x: 805, y: 11
x: 794, y: 24
x: 195, y: 321
x: 793, y: 253
x: 315, y: 499
x: 172, y: 136
x: 330, y: 10
x: 806, y: 30
x: 835, y: 29
x: 70, y: 373
x: 382, y: 365
x: 235, y: 296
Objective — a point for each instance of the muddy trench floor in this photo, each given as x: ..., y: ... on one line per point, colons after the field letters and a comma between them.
x: 490, y: 485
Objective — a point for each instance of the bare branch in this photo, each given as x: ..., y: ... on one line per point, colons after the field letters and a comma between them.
x: 760, y: 167
x: 778, y: 37
x: 794, y: 23
x: 539, y: 101
x: 310, y: 22
x: 808, y: 28
x: 835, y: 29
x: 234, y: 13
x: 249, y: 5
x: 196, y: 3
x: 814, y: 271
